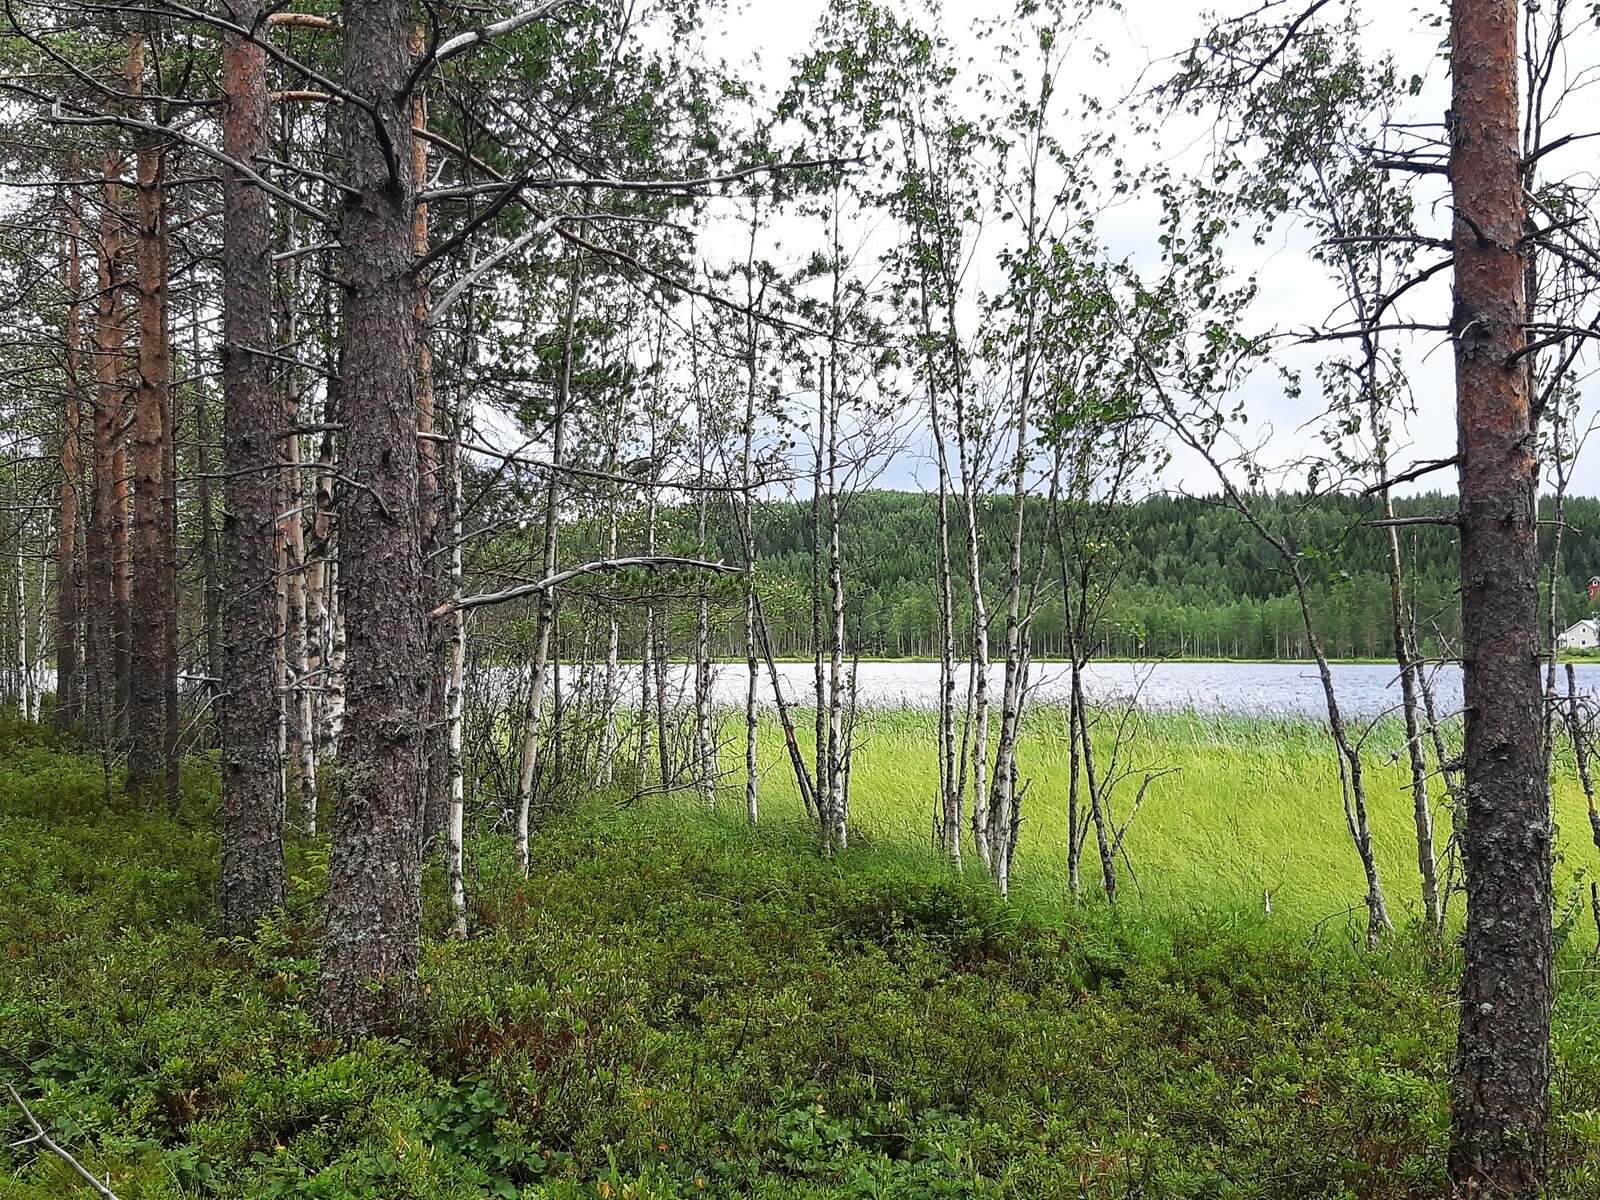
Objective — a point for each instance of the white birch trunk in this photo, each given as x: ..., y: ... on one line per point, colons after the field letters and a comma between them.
x: 41, y: 634
x: 705, y: 747
x: 455, y: 823
x: 978, y: 692
x: 837, y: 749
x: 752, y: 727
x: 606, y: 753
x: 24, y: 667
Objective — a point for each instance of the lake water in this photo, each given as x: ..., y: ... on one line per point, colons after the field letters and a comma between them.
x: 1277, y: 689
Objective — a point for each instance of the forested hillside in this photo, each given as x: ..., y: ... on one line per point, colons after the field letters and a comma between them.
x: 1192, y: 578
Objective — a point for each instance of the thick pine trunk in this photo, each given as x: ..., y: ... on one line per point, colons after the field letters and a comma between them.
x: 374, y: 903
x: 252, y: 797
x: 1502, y: 1072
x: 150, y: 577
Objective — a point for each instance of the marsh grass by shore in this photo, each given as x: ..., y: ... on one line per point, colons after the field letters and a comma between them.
x: 1251, y: 808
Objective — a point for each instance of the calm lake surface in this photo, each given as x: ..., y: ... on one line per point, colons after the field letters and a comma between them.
x: 1259, y: 689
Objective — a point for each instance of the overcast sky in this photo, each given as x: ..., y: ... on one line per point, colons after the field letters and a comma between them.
x: 1294, y: 290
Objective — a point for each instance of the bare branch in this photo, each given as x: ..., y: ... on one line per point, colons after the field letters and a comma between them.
x: 44, y: 1139
x: 606, y: 565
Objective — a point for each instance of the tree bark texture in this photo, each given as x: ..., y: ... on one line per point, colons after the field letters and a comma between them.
x: 151, y: 578
x: 252, y: 796
x: 102, y: 541
x: 374, y: 903
x: 1502, y: 1070
x: 69, y: 691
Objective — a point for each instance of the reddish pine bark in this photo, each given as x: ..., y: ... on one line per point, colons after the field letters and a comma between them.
x: 102, y: 540
x: 252, y: 798
x: 151, y: 576
x: 1502, y: 1071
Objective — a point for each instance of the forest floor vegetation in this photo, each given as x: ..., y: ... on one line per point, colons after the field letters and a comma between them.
x: 673, y: 1005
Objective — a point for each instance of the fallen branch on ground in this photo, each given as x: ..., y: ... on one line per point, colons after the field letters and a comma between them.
x: 44, y: 1139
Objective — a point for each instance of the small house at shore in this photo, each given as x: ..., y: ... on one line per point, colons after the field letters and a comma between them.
x: 1585, y: 635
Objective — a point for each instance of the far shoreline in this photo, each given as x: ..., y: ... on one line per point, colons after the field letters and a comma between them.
x: 864, y: 660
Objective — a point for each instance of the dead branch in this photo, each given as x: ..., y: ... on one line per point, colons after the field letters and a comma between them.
x: 654, y: 562
x: 45, y: 1140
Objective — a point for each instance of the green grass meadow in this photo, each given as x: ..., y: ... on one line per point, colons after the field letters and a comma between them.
x: 675, y: 1005
x: 1251, y: 807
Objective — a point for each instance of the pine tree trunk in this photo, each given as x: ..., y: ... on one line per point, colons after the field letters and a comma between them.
x: 101, y: 549
x: 69, y: 684
x: 252, y: 799
x: 1502, y: 1074
x: 121, y: 543
x: 374, y: 903
x: 210, y: 567
x: 151, y: 601
x: 41, y: 626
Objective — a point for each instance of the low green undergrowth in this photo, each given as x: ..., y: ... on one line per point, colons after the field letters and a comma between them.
x: 674, y: 1006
